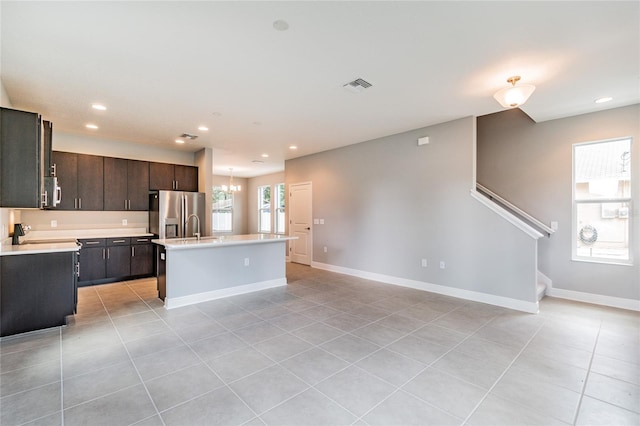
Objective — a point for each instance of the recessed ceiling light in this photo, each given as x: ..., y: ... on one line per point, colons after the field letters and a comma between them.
x: 280, y: 25
x: 293, y: 147
x: 99, y: 107
x: 203, y: 128
x: 216, y: 114
x: 257, y: 161
x: 179, y: 141
x: 91, y: 126
x: 603, y: 100
x: 265, y: 155
x: 257, y: 123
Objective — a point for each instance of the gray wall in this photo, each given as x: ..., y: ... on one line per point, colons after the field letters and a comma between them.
x: 530, y: 164
x: 388, y: 203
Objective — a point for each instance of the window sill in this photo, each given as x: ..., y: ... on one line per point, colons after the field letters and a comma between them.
x: 603, y: 261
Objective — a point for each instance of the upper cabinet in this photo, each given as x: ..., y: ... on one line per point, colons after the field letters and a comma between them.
x: 21, y: 162
x: 81, y: 178
x: 126, y: 184
x: 163, y: 176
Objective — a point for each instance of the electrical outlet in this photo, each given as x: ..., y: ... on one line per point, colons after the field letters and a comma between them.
x: 246, y: 261
x: 54, y: 223
x: 442, y: 264
x: 424, y: 263
x: 316, y: 221
x: 321, y: 221
x: 124, y: 222
x: 325, y: 249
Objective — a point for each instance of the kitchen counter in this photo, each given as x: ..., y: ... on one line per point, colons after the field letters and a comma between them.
x: 9, y: 250
x: 220, y: 241
x: 193, y: 271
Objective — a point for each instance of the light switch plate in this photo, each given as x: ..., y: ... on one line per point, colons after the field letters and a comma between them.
x: 124, y: 222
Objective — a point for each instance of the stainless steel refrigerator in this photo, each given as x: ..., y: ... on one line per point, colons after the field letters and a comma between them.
x: 176, y: 214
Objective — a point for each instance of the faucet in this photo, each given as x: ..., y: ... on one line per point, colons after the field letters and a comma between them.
x: 197, y: 234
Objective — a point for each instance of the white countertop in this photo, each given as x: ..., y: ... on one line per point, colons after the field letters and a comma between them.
x: 9, y: 250
x: 67, y: 234
x: 220, y: 241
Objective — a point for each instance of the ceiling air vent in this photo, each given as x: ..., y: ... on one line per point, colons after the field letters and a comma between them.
x: 188, y: 136
x: 357, y: 85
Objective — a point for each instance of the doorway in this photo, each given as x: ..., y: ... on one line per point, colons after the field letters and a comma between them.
x: 300, y: 218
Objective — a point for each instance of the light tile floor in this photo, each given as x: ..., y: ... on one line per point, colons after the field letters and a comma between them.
x: 327, y: 349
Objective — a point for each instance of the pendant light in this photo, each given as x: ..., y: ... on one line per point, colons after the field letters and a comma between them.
x: 231, y: 187
x: 514, y: 96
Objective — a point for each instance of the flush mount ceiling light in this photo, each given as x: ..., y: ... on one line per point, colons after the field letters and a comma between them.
x: 231, y: 187
x: 293, y: 147
x: 91, y: 126
x: 265, y: 155
x: 203, y: 128
x: 603, y: 100
x: 180, y: 141
x: 99, y: 107
x: 514, y: 96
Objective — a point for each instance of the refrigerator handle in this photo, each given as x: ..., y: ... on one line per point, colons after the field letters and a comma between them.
x: 183, y: 199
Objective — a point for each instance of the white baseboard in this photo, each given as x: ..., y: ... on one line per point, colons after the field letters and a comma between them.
x: 505, y: 302
x: 176, y: 302
x: 596, y: 299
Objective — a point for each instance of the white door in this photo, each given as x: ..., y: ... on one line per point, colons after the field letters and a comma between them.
x: 300, y: 223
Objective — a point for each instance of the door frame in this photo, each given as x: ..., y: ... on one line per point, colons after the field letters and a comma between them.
x: 310, y: 239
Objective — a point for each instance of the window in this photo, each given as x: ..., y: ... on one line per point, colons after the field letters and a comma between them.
x: 222, y: 220
x: 264, y: 209
x: 602, y: 201
x: 280, y: 223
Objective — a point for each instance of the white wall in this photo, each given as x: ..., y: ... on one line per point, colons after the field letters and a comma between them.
x: 252, y: 193
x: 388, y: 203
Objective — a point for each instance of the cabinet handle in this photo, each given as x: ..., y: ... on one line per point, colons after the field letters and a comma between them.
x: 133, y: 251
x: 103, y: 257
x: 92, y: 242
x: 118, y: 241
x: 108, y: 253
x: 176, y: 184
x: 75, y: 203
x: 129, y: 204
x: 125, y: 204
x: 142, y: 240
x: 80, y: 203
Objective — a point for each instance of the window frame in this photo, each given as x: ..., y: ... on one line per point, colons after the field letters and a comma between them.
x: 279, y: 210
x: 261, y: 209
x: 576, y: 202
x: 224, y: 210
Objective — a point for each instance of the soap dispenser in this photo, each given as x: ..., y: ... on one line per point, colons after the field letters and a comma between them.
x: 18, y: 231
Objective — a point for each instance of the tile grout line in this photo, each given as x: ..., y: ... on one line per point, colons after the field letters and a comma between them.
x: 495, y: 383
x: 586, y: 378
x: 127, y: 350
x: 197, y: 356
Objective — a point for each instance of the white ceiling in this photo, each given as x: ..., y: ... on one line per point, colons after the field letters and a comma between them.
x: 164, y: 68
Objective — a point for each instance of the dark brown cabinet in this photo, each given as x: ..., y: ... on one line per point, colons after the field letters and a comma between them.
x: 126, y: 184
x: 141, y: 256
x: 81, y: 178
x: 164, y: 176
x: 105, y: 260
x: 20, y: 159
x: 36, y: 291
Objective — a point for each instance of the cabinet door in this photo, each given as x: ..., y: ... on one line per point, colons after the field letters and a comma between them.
x: 20, y: 159
x: 138, y: 185
x: 36, y: 291
x: 186, y: 178
x: 141, y: 259
x: 92, y: 263
x: 90, y: 182
x: 66, y: 165
x: 115, y: 184
x: 118, y: 261
x: 161, y: 176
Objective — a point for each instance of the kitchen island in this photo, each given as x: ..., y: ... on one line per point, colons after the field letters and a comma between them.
x: 194, y: 270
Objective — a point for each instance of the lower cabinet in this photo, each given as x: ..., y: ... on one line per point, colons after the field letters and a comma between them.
x: 104, y: 260
x: 37, y: 291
